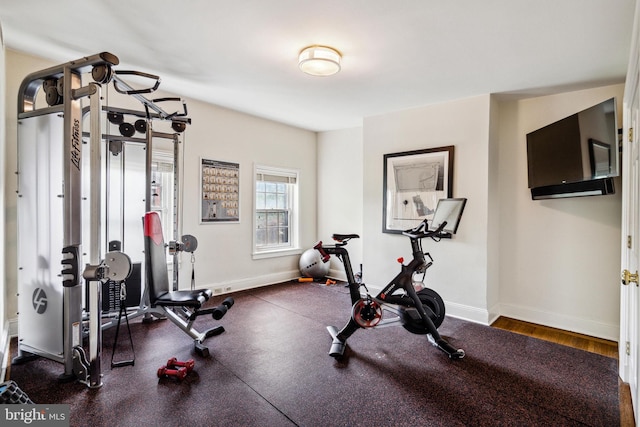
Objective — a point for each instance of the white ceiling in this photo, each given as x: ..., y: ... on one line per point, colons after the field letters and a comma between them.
x: 397, y: 54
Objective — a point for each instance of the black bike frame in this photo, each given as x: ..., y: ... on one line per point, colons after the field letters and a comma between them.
x: 403, y: 280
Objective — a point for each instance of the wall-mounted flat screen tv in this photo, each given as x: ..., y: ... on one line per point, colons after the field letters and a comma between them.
x: 575, y: 156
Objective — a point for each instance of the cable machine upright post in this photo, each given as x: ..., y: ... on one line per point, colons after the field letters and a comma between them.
x: 176, y: 197
x: 95, y: 253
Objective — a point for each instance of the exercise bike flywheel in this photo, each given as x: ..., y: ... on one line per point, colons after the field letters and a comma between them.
x: 433, y: 305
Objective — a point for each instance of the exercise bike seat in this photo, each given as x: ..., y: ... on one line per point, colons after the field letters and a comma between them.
x: 343, y: 237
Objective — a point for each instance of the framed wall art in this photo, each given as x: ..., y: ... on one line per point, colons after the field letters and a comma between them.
x: 219, y: 191
x: 413, y: 182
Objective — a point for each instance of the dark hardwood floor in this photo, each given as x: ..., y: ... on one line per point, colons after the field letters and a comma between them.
x: 572, y: 339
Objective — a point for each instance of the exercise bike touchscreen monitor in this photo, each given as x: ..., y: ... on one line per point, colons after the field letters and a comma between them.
x: 449, y: 210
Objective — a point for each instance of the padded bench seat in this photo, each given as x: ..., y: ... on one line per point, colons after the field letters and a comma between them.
x: 182, y: 307
x: 193, y: 299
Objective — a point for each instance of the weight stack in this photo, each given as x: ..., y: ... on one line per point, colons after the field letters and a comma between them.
x: 111, y: 291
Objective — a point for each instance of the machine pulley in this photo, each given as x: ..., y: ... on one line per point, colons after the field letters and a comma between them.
x: 116, y: 267
x: 188, y: 243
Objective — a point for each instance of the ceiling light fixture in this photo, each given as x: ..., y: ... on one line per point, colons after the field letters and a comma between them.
x: 319, y: 60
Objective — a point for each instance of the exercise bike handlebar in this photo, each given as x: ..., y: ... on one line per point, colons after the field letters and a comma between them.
x: 422, y: 231
x: 319, y: 248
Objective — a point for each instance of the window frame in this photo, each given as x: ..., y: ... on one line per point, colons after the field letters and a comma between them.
x: 167, y: 207
x: 293, y: 206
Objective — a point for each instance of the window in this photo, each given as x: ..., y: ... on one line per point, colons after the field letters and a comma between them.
x: 276, y: 212
x: 162, y: 196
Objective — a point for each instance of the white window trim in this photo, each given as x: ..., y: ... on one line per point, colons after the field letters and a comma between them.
x: 166, y: 157
x: 294, y: 248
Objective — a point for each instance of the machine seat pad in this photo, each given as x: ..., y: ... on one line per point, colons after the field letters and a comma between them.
x: 193, y: 299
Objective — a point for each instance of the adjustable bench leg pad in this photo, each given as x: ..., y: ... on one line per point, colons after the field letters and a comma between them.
x: 213, y: 331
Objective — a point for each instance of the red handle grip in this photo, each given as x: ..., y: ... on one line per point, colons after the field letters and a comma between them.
x: 319, y: 248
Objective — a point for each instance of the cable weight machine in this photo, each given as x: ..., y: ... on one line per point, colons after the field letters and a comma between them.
x: 53, y: 175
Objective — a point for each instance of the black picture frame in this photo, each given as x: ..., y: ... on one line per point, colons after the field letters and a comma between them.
x: 413, y: 182
x: 219, y: 191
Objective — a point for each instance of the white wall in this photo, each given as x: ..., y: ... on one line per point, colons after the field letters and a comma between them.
x: 559, y: 259
x: 553, y: 262
x: 3, y: 325
x: 340, y: 175
x: 224, y: 250
x: 459, y: 273
x: 549, y: 262
x: 223, y: 258
x: 493, y: 221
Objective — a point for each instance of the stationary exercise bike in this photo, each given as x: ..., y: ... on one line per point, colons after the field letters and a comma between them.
x: 418, y: 309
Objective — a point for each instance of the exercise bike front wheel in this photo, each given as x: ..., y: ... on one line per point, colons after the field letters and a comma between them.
x: 433, y: 305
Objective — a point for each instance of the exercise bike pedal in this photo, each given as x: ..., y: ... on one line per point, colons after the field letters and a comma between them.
x: 448, y: 349
x: 458, y: 354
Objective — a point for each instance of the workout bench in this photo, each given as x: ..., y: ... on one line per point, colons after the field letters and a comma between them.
x: 182, y: 307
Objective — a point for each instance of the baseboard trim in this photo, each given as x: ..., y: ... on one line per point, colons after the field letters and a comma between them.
x: 579, y: 325
x: 221, y: 288
x: 338, y: 275
x: 466, y: 312
x: 13, y: 327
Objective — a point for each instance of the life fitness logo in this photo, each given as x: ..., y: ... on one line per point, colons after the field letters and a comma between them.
x: 39, y: 301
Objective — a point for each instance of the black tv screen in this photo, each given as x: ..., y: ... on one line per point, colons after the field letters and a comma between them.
x: 581, y: 147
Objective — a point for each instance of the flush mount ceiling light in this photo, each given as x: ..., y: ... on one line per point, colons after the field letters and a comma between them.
x: 319, y: 60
